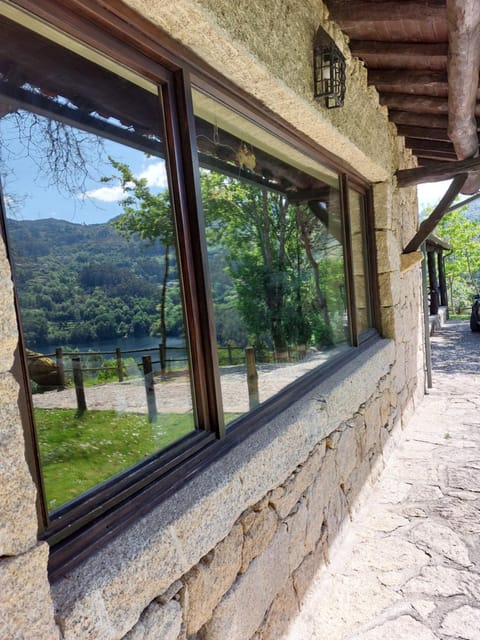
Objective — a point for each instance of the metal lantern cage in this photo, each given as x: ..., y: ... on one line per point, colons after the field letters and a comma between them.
x: 329, y: 70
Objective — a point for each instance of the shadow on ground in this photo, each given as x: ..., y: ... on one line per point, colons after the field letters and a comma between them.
x: 456, y: 349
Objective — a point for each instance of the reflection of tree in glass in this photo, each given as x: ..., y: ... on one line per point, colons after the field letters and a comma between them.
x: 63, y: 154
x: 148, y: 216
x: 286, y: 268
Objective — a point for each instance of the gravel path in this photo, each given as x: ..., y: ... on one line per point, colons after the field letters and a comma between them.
x: 174, y: 395
x: 409, y: 568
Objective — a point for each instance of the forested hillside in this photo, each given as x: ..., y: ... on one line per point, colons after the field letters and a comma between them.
x: 79, y: 283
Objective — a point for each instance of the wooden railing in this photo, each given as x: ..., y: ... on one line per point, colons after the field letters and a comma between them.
x: 54, y: 365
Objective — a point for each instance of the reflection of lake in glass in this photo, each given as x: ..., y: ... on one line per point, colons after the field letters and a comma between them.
x: 130, y: 347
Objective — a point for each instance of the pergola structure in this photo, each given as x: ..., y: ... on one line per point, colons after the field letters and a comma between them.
x: 423, y: 56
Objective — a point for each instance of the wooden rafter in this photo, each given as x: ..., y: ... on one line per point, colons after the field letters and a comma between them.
x: 437, y: 214
x: 422, y: 133
x: 463, y: 68
x: 412, y: 81
x: 401, y: 55
x: 419, y: 119
x: 445, y: 171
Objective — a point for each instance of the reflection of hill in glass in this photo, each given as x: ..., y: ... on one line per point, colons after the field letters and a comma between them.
x: 81, y: 282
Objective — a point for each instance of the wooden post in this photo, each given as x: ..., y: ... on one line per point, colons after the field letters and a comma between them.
x: 432, y: 278
x: 252, y: 378
x: 229, y: 347
x: 60, y: 366
x: 442, y: 280
x: 163, y: 357
x: 78, y: 381
x: 118, y: 355
x: 149, y: 388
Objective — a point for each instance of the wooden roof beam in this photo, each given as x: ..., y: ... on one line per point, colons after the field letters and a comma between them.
x: 437, y: 214
x: 463, y: 17
x: 442, y: 148
x: 404, y: 19
x: 422, y: 133
x: 417, y: 104
x: 353, y: 12
x: 405, y: 55
x: 446, y: 171
x: 431, y: 83
x: 418, y: 119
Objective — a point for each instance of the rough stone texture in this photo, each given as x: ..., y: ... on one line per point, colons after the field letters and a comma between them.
x: 284, y: 608
x: 410, y: 566
x: 271, y: 58
x: 105, y: 596
x: 25, y: 602
x: 158, y: 621
x: 259, y: 526
x: 211, y: 579
x: 242, y: 610
x: 399, y: 629
x: 266, y: 49
x: 18, y: 518
x: 464, y: 623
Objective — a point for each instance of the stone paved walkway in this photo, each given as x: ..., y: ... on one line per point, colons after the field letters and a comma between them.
x: 409, y: 567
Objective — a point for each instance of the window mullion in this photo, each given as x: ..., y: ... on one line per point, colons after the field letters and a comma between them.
x: 348, y: 252
x: 192, y: 253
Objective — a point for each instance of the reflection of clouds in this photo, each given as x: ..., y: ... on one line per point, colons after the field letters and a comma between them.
x: 154, y: 174
x: 106, y: 194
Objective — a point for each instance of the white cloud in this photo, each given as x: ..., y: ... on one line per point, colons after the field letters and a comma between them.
x: 155, y: 175
x: 106, y: 194
x: 430, y: 194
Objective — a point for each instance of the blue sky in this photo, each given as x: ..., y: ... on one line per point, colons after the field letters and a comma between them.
x: 24, y: 183
x: 26, y: 186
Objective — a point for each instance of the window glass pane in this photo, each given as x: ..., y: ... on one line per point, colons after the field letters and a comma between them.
x: 359, y: 261
x: 274, y: 240
x: 93, y: 245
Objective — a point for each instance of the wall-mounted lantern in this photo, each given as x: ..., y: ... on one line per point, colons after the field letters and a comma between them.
x: 329, y: 70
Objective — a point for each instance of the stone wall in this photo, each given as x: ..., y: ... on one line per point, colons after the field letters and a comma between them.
x: 252, y: 583
x: 231, y: 554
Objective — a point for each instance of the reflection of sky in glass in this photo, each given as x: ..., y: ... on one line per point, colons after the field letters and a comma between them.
x: 28, y: 191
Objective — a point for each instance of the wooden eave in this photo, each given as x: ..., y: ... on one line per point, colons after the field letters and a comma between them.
x: 423, y: 56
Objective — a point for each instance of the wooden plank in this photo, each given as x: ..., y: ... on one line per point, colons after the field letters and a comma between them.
x: 351, y: 12
x: 440, y: 147
x: 418, y: 119
x: 401, y: 55
x: 437, y: 214
x: 422, y: 133
x: 417, y: 104
x: 411, y: 81
x: 463, y: 69
x: 419, y: 175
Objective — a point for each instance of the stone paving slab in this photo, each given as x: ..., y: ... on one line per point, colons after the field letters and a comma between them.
x: 409, y: 566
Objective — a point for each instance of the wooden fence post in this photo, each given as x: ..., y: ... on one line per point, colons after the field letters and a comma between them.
x: 149, y: 388
x: 78, y: 380
x: 163, y: 357
x: 118, y: 355
x: 252, y: 378
x: 60, y: 366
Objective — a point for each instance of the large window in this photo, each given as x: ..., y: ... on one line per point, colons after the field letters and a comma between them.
x: 274, y: 230
x: 178, y: 266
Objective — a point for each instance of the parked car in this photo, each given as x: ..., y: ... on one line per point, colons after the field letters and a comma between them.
x: 475, y: 315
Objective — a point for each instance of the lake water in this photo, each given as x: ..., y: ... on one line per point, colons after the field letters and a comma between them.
x: 130, y: 347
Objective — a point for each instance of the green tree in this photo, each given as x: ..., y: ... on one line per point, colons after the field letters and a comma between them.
x: 275, y: 252
x: 462, y: 264
x: 148, y: 216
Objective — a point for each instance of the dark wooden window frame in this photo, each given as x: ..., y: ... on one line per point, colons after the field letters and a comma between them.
x: 127, y: 38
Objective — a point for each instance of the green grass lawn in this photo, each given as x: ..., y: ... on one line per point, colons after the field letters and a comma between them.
x: 79, y: 452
